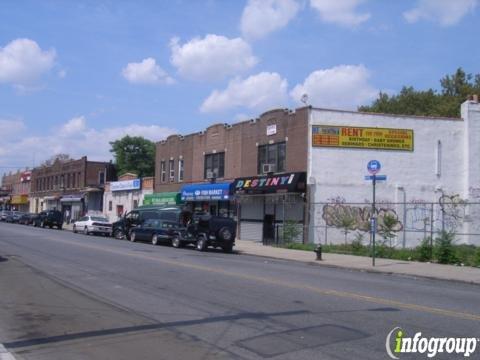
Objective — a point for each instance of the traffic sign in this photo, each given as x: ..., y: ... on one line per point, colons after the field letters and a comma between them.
x: 376, y: 177
x: 374, y: 166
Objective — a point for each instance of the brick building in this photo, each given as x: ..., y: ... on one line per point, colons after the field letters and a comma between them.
x: 214, y: 169
x: 74, y: 186
x: 15, y: 190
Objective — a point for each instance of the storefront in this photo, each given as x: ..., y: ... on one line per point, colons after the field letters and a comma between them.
x: 51, y: 203
x: 72, y: 206
x: 271, y: 205
x: 166, y: 198
x: 122, y: 196
x: 215, y: 199
x: 20, y: 203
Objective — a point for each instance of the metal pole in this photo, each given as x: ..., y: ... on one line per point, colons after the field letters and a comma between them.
x: 431, y: 232
x: 404, y: 242
x: 373, y: 224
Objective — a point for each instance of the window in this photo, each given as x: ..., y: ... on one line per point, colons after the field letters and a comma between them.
x: 180, y: 170
x: 273, y: 155
x: 73, y: 180
x: 101, y: 178
x: 163, y: 172
x: 109, y: 206
x: 171, y: 170
x: 68, y: 181
x: 214, y: 166
x: 135, y: 204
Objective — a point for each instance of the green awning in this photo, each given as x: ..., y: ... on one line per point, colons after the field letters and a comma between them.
x: 162, y: 198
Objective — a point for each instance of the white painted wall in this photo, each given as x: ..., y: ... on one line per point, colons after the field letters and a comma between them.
x: 412, y: 176
x: 125, y: 198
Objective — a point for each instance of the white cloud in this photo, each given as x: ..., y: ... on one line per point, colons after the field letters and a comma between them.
x: 146, y: 72
x: 261, y: 17
x: 75, y: 138
x: 446, y: 12
x: 9, y: 127
x: 211, y: 58
x: 340, y: 12
x: 259, y: 92
x: 342, y: 87
x: 22, y: 62
x: 62, y: 73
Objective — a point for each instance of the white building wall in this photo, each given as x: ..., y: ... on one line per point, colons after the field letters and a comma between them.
x: 125, y: 198
x: 416, y: 176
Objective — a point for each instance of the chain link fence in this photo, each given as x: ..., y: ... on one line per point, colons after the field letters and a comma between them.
x: 398, y: 224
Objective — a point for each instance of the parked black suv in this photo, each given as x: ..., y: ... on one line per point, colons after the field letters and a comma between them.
x: 184, y: 228
x: 49, y: 218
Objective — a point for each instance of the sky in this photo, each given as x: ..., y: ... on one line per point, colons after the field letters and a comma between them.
x: 75, y: 75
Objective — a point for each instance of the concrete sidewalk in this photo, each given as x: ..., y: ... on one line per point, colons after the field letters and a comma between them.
x: 411, y: 268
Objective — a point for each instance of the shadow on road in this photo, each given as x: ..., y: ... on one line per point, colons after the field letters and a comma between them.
x: 146, y: 327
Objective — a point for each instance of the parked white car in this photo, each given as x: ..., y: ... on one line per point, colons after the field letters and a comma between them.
x: 90, y: 224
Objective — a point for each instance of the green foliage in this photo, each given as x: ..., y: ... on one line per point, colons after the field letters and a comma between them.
x: 476, y: 260
x: 290, y: 231
x: 444, y: 250
x: 454, y: 90
x: 134, y: 154
x: 425, y: 250
x: 387, y: 228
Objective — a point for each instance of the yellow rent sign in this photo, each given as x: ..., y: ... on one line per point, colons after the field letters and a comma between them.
x: 362, y: 137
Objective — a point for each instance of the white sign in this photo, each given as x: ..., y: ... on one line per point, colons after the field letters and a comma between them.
x: 271, y: 129
x: 125, y: 185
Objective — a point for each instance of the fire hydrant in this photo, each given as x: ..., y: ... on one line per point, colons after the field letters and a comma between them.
x: 318, y: 251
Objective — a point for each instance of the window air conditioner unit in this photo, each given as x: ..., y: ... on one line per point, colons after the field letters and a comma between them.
x: 269, y: 168
x: 211, y: 174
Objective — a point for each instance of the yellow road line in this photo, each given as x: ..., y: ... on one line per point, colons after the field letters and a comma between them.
x: 291, y: 285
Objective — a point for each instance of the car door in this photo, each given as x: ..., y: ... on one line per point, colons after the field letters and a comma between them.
x: 142, y: 230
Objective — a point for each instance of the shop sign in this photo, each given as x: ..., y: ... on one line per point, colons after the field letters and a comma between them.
x: 162, y: 198
x: 362, y: 137
x: 124, y: 185
x: 206, y: 192
x: 291, y: 182
x: 19, y: 199
x: 271, y: 129
x: 26, y: 176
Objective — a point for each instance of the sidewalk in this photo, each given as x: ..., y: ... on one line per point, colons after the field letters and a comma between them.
x: 361, y: 263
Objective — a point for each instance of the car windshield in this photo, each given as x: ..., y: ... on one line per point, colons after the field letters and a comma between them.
x: 98, y: 218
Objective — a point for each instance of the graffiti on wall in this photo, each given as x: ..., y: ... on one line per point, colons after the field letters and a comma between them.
x: 341, y: 215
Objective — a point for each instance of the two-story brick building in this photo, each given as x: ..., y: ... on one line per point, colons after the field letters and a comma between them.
x: 253, y: 170
x: 73, y: 186
x: 16, y: 190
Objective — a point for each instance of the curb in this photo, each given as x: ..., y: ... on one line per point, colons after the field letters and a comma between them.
x: 370, y: 271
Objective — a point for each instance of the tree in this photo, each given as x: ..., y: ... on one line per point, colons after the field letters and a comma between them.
x: 57, y: 157
x: 134, y: 154
x: 455, y: 89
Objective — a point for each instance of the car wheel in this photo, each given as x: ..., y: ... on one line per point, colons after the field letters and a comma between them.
x: 132, y: 236
x: 225, y: 234
x: 59, y: 227
x: 154, y: 239
x: 74, y: 229
x: 118, y: 234
x: 201, y: 244
x: 85, y: 231
x: 176, y: 243
x: 227, y: 248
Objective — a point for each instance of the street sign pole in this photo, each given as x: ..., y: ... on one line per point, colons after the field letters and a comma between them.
x: 373, y: 220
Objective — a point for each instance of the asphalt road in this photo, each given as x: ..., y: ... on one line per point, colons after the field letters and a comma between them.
x: 71, y: 296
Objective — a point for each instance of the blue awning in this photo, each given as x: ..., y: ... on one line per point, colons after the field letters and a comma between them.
x: 206, y: 192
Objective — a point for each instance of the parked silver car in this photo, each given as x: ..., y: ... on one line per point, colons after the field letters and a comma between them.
x: 93, y: 225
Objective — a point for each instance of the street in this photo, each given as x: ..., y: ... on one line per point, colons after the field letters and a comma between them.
x: 71, y: 296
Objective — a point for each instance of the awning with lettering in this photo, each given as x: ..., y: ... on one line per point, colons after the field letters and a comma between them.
x: 287, y: 182
x: 206, y: 192
x: 72, y: 198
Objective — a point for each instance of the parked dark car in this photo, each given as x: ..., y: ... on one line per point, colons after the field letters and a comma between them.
x: 156, y: 231
x: 15, y: 216
x: 49, y: 218
x: 208, y: 230
x: 122, y: 228
x: 27, y: 219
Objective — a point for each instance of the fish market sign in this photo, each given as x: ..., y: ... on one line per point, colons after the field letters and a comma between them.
x: 125, y: 185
